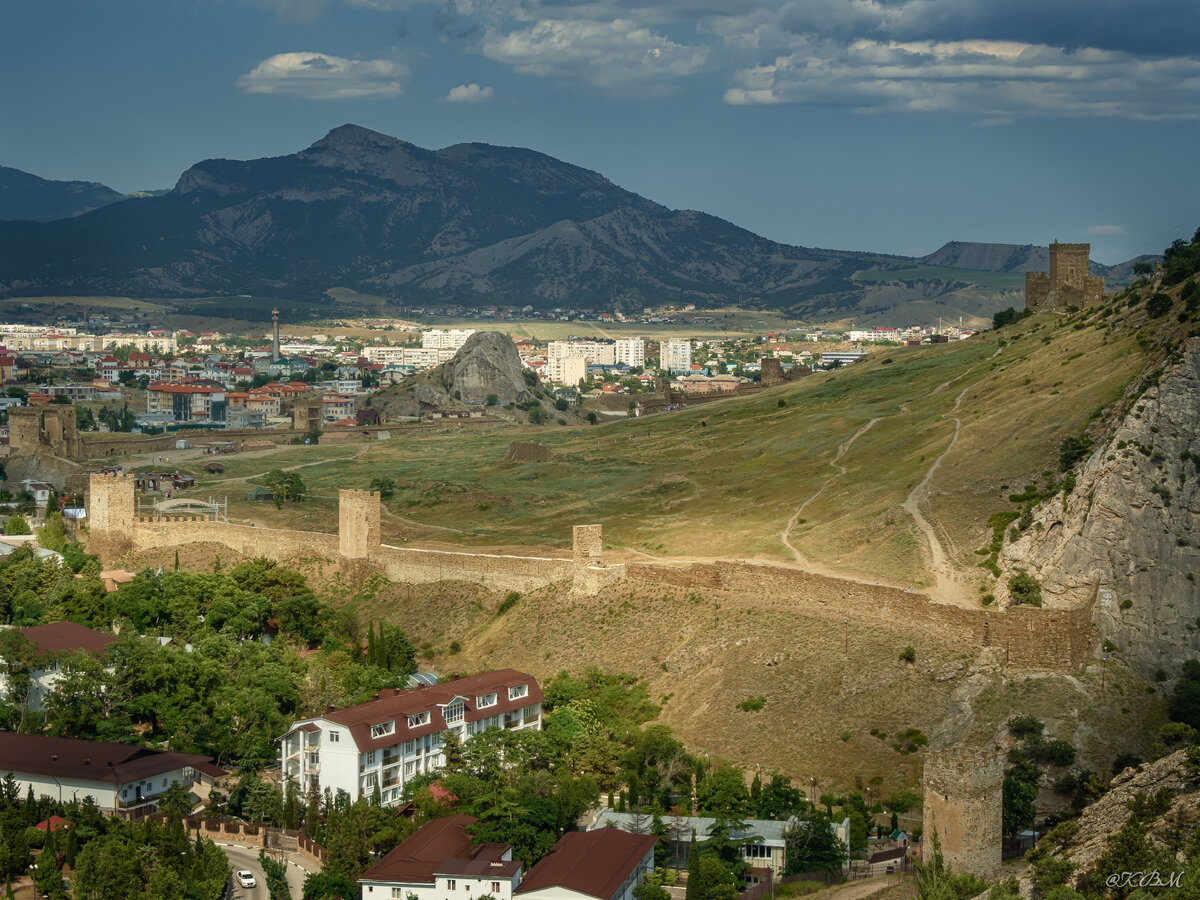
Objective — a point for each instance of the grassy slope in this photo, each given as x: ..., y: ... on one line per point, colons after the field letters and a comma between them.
x: 722, y: 479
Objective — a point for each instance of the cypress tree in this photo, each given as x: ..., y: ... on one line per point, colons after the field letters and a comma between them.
x: 372, y: 646
x: 695, y: 882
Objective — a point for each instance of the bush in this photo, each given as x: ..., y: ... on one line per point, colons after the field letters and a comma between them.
x: 1072, y: 450
x: 509, y: 601
x: 1158, y: 305
x: 492, y: 399
x: 908, y: 655
x: 17, y: 524
x: 1024, y: 588
x: 1024, y: 726
x: 561, y: 405
x: 752, y: 704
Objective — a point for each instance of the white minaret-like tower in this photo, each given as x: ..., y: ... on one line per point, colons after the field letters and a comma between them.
x: 275, y: 344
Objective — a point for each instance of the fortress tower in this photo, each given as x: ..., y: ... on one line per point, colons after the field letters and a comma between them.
x: 1067, y: 283
x: 963, y: 789
x: 34, y: 430
x: 110, y: 508
x: 358, y: 529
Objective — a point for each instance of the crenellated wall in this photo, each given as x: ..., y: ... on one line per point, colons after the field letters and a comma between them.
x: 1032, y: 639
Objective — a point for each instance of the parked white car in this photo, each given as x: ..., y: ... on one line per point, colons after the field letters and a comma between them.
x: 246, y: 878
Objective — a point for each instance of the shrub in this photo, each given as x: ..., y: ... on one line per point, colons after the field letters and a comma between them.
x: 908, y: 655
x: 1072, y: 450
x: 509, y: 601
x: 752, y: 704
x: 1158, y: 305
x: 1024, y: 588
x: 1024, y: 726
x: 561, y: 405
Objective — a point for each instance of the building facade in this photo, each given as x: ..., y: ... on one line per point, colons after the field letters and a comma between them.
x: 675, y: 356
x: 386, y: 742
x: 630, y: 351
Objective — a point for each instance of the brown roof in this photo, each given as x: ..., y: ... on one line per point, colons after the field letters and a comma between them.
x: 485, y: 860
x: 423, y: 852
x: 68, y: 636
x: 595, y: 863
x: 398, y: 704
x: 38, y: 754
x: 887, y: 855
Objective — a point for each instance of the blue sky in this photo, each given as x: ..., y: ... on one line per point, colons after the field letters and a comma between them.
x: 886, y: 125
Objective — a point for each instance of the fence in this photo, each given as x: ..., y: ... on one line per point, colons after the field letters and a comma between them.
x: 266, y: 836
x: 767, y: 888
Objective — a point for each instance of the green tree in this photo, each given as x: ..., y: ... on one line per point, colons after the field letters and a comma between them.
x: 696, y: 889
x: 723, y: 792
x: 384, y: 485
x: 284, y: 486
x: 811, y: 845
x: 17, y: 524
x: 1184, y: 704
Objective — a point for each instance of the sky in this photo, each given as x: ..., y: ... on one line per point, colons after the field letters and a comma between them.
x: 883, y: 125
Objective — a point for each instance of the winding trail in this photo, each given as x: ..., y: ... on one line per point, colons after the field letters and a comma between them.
x: 786, y: 534
x: 946, y: 587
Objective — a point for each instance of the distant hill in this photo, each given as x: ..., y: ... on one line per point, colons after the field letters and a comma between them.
x: 1020, y: 258
x: 28, y: 197
x: 471, y: 225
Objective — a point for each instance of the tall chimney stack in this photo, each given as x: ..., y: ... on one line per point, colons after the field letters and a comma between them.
x: 275, y: 345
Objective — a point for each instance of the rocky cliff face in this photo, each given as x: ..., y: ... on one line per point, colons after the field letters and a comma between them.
x: 1128, y: 533
x: 488, y: 363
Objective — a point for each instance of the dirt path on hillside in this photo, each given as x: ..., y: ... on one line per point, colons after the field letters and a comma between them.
x: 786, y: 534
x: 947, y: 588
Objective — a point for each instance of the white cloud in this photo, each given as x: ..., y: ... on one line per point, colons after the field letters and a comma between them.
x: 1106, y: 229
x: 603, y: 53
x: 992, y: 79
x: 470, y: 93
x: 319, y: 76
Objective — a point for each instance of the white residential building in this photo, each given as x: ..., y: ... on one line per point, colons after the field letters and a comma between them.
x: 52, y: 642
x: 437, y: 862
x: 604, y: 864
x: 398, y: 735
x: 565, y: 370
x: 438, y: 339
x: 630, y: 351
x: 675, y: 355
x: 597, y: 352
x: 117, y: 777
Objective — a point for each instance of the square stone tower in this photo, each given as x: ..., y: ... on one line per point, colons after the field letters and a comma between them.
x: 964, y: 794
x: 358, y: 524
x: 110, y: 509
x: 1067, y: 283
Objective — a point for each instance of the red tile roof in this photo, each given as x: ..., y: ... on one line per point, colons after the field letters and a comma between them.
x: 400, y: 704
x: 68, y: 636
x: 419, y: 855
x: 38, y: 754
x: 595, y: 863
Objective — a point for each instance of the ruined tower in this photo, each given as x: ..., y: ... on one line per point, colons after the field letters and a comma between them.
x: 34, y: 430
x: 110, y: 508
x: 963, y: 790
x: 1067, y: 283
x: 358, y: 529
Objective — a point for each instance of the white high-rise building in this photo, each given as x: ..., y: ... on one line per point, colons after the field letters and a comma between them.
x: 630, y: 351
x: 592, y: 351
x: 675, y: 355
x: 438, y: 339
x: 568, y: 371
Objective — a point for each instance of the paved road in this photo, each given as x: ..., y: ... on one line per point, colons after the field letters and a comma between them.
x: 243, y: 857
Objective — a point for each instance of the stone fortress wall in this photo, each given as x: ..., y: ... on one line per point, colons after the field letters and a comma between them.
x: 1031, y: 638
x: 963, y: 791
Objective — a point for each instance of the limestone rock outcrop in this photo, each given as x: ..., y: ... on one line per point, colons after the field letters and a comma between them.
x: 488, y: 363
x: 1128, y: 533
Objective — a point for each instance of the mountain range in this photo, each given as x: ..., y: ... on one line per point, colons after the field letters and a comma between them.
x: 470, y: 224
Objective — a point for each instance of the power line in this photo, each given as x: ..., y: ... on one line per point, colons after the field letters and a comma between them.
x: 1174, y: 229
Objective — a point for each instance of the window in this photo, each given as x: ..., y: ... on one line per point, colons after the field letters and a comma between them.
x: 397, y: 893
x: 451, y: 884
x: 454, y: 713
x: 495, y: 888
x: 757, y: 851
x: 334, y: 737
x: 521, y: 690
x: 370, y: 760
x: 409, y: 747
x: 382, y: 728
x: 419, y: 719
x: 164, y: 782
x: 483, y: 701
